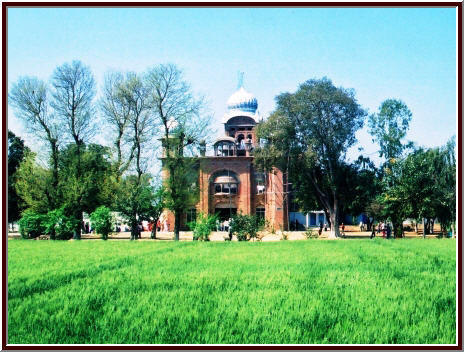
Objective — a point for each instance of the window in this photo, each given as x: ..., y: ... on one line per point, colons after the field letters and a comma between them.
x: 260, y: 212
x: 260, y: 183
x: 225, y: 184
x: 191, y: 215
x: 224, y: 149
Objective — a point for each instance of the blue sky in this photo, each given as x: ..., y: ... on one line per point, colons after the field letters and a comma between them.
x: 382, y: 53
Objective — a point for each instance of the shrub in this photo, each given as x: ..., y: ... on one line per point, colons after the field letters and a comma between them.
x: 310, y: 233
x: 246, y: 226
x: 32, y: 225
x: 59, y: 225
x: 102, y: 221
x: 203, y: 226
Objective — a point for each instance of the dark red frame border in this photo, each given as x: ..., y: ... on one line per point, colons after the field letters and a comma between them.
x: 5, y: 6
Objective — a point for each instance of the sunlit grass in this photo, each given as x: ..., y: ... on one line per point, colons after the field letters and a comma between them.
x: 295, y: 292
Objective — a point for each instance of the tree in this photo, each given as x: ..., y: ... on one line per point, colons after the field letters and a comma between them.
x: 135, y: 200
x: 16, y: 153
x: 97, y: 182
x: 389, y: 127
x: 427, y: 185
x: 178, y: 112
x: 361, y: 186
x: 321, y: 122
x: 74, y: 90
x: 116, y: 107
x: 446, y: 208
x: 102, y: 221
x: 29, y: 98
x: 34, y: 185
x: 158, y: 204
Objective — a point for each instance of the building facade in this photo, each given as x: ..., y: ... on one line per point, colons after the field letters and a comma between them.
x: 228, y: 180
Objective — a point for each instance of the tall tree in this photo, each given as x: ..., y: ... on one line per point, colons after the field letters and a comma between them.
x: 74, y: 90
x: 16, y: 153
x: 322, y: 121
x: 29, y: 98
x: 180, y: 114
x: 134, y: 95
x: 117, y: 110
x: 389, y: 127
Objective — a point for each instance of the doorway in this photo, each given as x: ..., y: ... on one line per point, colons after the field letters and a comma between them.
x: 225, y: 213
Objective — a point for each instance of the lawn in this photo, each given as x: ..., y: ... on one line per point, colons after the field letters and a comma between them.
x: 288, y: 292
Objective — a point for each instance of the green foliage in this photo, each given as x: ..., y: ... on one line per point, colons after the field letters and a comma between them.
x: 308, y: 135
x: 59, y: 225
x: 138, y: 199
x: 33, y: 185
x: 246, y: 227
x: 203, y: 226
x: 16, y: 153
x: 32, y: 225
x: 389, y: 127
x: 96, y: 183
x: 287, y: 292
x: 102, y: 221
x: 311, y: 233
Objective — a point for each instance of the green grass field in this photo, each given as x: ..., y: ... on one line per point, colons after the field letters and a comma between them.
x: 288, y: 292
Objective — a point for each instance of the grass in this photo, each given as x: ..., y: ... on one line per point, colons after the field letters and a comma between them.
x: 289, y: 292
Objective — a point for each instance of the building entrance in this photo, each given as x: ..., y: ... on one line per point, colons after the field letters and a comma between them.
x: 225, y: 213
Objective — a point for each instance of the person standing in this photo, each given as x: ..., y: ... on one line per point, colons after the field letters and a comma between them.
x: 373, y: 231
x: 388, y: 231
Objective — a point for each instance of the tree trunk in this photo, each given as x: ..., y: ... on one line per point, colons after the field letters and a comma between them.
x: 432, y: 223
x: 54, y: 173
x: 423, y: 227
x: 134, y: 230
x: 153, y: 231
x: 327, y: 216
x: 77, y: 230
x: 334, y: 231
x: 417, y: 226
x: 398, y: 229
x: 176, y: 224
x: 453, y: 229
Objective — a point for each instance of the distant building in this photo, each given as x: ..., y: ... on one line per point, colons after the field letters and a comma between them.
x: 229, y: 182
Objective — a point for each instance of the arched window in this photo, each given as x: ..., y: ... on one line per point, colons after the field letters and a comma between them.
x: 241, y: 141
x: 225, y: 183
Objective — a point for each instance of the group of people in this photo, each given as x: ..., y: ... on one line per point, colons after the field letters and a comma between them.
x: 160, y: 226
x: 223, y: 225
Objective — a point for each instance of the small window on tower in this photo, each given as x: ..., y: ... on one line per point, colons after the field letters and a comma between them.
x: 260, y: 180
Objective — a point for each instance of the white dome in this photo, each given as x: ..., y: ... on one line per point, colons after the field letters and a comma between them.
x: 242, y: 100
x: 241, y: 103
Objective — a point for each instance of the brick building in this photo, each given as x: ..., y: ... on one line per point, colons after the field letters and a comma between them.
x: 228, y: 180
